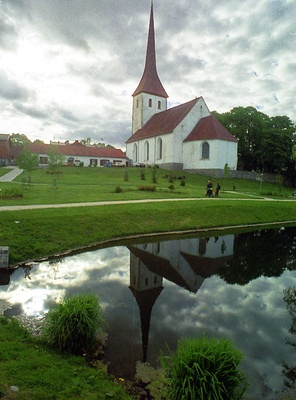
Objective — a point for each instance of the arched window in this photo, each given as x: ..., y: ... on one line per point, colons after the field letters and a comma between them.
x: 150, y: 102
x: 205, y: 153
x: 159, y: 148
x: 146, y: 151
x: 135, y: 153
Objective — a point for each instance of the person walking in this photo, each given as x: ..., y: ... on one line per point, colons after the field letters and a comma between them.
x: 218, y: 187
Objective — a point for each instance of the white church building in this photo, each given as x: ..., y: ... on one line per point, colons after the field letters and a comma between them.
x: 185, y: 137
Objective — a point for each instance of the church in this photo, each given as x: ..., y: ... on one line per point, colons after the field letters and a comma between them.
x: 184, y: 137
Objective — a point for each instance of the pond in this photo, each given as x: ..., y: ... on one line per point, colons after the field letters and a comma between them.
x: 154, y: 294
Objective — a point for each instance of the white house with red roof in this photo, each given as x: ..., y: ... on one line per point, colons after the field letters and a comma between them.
x: 185, y: 137
x: 74, y: 153
x: 80, y: 154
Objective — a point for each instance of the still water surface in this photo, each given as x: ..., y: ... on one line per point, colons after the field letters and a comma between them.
x: 153, y: 294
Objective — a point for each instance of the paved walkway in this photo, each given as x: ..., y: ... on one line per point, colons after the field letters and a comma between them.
x: 11, y: 174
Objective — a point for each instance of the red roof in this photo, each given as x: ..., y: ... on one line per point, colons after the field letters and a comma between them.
x: 163, y: 122
x: 76, y: 149
x: 150, y: 82
x: 209, y: 128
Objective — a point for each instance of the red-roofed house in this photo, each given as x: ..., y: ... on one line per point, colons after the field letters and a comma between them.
x: 79, y: 153
x: 183, y: 137
x: 74, y: 153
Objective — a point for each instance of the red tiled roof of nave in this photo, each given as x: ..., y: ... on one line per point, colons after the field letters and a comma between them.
x: 163, y: 122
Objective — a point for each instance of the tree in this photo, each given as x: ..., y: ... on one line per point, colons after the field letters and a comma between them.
x: 55, y: 160
x: 86, y: 141
x: 27, y: 161
x: 265, y: 143
x: 19, y: 139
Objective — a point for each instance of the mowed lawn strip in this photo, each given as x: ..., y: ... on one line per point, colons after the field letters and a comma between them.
x: 81, y: 184
x: 33, y: 234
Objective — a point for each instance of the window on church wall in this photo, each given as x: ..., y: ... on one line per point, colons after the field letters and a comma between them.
x: 159, y: 148
x: 146, y: 150
x: 137, y: 103
x: 150, y: 103
x: 205, y: 151
x: 135, y: 153
x: 159, y: 105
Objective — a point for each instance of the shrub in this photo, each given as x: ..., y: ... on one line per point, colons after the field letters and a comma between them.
x: 11, y: 193
x: 147, y: 188
x: 143, y: 175
x: 182, y: 183
x: 204, y: 369
x: 171, y: 187
x: 118, y: 189
x: 72, y: 325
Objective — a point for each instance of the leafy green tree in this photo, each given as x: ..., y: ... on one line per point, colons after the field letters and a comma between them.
x: 265, y: 143
x: 55, y: 160
x: 86, y: 141
x: 19, y: 139
x: 27, y: 161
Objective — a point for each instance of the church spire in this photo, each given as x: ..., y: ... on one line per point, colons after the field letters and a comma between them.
x: 150, y: 82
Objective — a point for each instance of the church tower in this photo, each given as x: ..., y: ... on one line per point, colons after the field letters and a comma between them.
x: 150, y: 96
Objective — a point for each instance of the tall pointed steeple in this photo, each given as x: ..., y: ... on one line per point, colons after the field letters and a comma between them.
x: 150, y: 82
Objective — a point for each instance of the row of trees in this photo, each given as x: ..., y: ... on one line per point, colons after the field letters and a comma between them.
x: 266, y: 144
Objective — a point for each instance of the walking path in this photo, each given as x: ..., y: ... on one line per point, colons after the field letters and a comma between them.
x: 11, y: 174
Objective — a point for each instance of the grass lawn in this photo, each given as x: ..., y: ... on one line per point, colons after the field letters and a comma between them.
x: 30, y: 371
x: 32, y: 234
x: 80, y: 184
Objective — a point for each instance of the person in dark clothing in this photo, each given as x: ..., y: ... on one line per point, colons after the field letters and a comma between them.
x: 218, y: 187
x: 209, y: 189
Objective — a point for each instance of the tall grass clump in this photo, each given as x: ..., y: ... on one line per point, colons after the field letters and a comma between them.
x: 204, y: 369
x: 73, y: 324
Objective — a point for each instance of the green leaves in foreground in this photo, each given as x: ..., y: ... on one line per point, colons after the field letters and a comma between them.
x: 72, y: 325
x: 205, y: 369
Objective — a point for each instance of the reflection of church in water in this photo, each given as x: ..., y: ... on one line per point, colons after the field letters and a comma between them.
x: 187, y: 263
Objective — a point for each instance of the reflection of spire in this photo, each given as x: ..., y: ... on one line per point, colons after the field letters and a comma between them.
x: 146, y: 286
x: 146, y: 300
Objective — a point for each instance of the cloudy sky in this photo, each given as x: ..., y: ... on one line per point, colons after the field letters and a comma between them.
x: 68, y: 67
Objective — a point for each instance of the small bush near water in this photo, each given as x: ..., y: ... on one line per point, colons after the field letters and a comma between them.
x: 72, y: 325
x: 204, y: 369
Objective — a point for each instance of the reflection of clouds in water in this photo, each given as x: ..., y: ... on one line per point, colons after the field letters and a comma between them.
x: 52, y: 281
x: 254, y: 316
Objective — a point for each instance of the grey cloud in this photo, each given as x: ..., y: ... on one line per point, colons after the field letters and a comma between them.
x: 11, y: 90
x: 8, y: 34
x: 31, y: 111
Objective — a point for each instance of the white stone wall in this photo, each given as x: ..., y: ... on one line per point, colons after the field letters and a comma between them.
x: 142, y: 112
x: 86, y: 160
x: 200, y: 110
x: 221, y: 152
